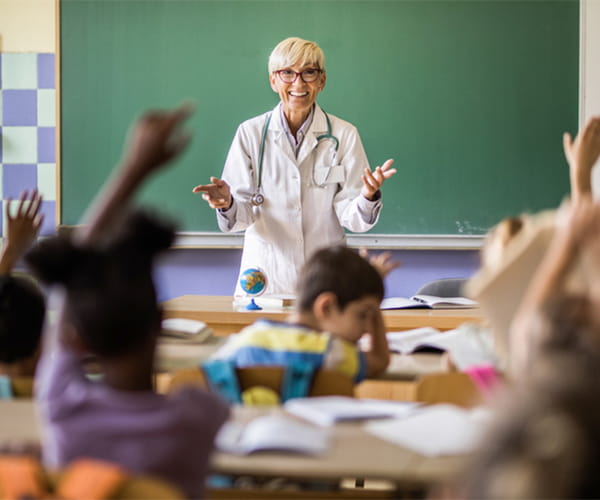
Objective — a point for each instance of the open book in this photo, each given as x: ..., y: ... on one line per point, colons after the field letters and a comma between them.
x: 469, y: 345
x: 273, y: 301
x: 327, y: 410
x: 184, y: 330
x: 272, y: 433
x: 427, y: 302
x: 435, y: 430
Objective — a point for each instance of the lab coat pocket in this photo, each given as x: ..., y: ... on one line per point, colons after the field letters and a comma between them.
x: 329, y: 175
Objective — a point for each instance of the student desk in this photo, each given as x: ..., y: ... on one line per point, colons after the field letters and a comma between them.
x: 353, y: 453
x: 218, y: 312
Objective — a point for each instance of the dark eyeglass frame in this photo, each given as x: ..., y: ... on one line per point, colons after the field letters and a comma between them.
x: 299, y: 74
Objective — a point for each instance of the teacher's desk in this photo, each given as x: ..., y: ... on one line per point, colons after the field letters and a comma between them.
x: 225, y: 318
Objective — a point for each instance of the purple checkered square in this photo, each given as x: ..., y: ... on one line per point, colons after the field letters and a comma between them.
x: 17, y: 178
x: 45, y: 71
x: 46, y: 145
x: 19, y: 108
x: 48, y: 228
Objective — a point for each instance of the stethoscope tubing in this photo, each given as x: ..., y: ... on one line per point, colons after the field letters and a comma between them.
x: 257, y: 198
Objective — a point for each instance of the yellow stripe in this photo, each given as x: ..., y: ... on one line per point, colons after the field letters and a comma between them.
x: 282, y: 339
x: 349, y: 364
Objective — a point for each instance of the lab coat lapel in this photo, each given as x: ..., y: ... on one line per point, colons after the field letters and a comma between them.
x: 280, y: 141
x: 317, y: 128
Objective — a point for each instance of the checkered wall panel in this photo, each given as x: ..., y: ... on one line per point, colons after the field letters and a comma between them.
x: 28, y: 131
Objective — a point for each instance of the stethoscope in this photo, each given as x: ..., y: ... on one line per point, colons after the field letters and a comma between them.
x: 257, y: 198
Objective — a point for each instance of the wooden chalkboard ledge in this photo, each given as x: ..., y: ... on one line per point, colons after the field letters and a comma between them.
x: 387, y: 241
x: 195, y: 239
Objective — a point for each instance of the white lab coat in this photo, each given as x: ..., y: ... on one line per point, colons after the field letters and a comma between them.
x: 308, y: 200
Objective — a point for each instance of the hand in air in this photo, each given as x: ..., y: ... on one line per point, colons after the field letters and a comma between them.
x: 372, y: 181
x: 383, y: 262
x: 156, y: 138
x: 582, y: 153
x: 217, y: 194
x: 23, y: 226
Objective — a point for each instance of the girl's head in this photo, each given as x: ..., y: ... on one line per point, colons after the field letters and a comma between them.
x: 111, y: 299
x: 498, y: 239
x: 22, y: 310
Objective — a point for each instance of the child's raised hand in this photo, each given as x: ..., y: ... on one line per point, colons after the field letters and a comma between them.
x: 581, y: 154
x: 383, y: 262
x: 24, y: 225
x: 156, y: 139
x: 372, y: 181
x: 217, y: 193
x: 21, y: 228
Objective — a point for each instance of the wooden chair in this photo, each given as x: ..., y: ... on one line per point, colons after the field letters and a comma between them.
x: 23, y: 476
x: 324, y: 383
x: 453, y: 387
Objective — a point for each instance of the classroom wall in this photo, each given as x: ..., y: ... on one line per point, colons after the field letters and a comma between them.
x: 28, y: 104
x: 27, y: 56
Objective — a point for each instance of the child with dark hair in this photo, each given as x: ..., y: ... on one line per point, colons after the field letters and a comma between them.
x: 107, y: 307
x: 339, y: 294
x: 22, y: 304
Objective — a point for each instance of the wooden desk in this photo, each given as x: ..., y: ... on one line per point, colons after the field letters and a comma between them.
x: 218, y: 312
x: 354, y: 453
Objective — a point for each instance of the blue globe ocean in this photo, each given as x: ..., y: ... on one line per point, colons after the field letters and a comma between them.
x: 253, y: 281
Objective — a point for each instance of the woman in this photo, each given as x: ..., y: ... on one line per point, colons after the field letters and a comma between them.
x: 295, y: 176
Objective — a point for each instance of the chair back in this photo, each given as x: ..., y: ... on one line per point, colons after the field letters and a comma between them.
x: 23, y: 476
x: 324, y: 382
x: 447, y: 287
x: 454, y: 387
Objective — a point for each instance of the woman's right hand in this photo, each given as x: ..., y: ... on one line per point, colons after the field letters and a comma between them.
x: 217, y: 193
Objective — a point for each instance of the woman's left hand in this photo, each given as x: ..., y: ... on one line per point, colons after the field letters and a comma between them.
x: 372, y: 181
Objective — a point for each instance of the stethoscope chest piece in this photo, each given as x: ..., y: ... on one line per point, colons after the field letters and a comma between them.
x: 257, y: 199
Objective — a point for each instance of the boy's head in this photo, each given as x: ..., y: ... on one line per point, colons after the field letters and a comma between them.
x: 343, y: 289
x: 22, y: 310
x: 111, y: 299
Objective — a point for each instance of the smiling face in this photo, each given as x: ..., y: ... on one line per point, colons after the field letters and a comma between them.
x: 297, y: 97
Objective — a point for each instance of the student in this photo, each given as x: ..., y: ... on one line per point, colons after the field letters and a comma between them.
x: 107, y: 307
x: 545, y: 442
x: 22, y: 304
x: 339, y: 295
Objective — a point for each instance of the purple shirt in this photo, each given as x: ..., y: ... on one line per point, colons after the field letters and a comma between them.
x: 170, y: 436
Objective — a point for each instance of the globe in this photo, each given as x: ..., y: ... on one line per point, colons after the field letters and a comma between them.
x: 254, y: 282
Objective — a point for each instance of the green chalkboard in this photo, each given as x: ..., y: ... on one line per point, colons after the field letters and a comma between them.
x: 470, y: 97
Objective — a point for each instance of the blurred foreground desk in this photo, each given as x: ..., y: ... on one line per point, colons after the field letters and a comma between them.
x: 354, y: 453
x: 218, y: 312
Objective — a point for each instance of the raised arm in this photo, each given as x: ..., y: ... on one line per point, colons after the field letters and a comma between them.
x: 21, y: 229
x: 582, y: 153
x: 577, y: 225
x: 154, y: 141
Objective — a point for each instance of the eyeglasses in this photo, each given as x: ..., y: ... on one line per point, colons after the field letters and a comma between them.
x: 308, y: 75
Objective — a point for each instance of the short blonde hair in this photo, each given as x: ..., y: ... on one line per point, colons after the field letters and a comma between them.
x: 293, y: 51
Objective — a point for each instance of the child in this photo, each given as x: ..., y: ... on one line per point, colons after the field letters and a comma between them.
x: 339, y: 295
x: 545, y: 442
x: 22, y: 306
x: 107, y: 307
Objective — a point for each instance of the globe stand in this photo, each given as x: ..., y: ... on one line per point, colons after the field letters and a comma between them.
x: 253, y: 306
